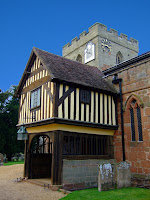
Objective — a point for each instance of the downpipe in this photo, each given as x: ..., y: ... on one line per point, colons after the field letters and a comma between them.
x: 117, y: 80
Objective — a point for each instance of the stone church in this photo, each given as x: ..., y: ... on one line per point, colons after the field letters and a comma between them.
x: 89, y: 107
x: 101, y: 48
x: 117, y: 57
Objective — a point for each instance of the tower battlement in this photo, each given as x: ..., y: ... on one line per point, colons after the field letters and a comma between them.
x: 101, y: 30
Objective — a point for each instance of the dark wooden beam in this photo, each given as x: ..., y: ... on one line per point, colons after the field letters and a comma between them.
x: 48, y: 91
x: 57, y: 158
x: 35, y: 84
x: 20, y: 108
x: 71, y: 122
x: 85, y: 157
x: 65, y: 95
x: 36, y: 71
x: 55, y: 99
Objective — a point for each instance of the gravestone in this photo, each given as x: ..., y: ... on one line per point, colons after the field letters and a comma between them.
x: 123, y: 175
x: 1, y: 159
x: 21, y: 157
x: 17, y: 157
x: 107, y: 177
x: 114, y: 175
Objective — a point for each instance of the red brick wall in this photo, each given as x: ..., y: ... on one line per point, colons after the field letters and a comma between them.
x: 136, y: 83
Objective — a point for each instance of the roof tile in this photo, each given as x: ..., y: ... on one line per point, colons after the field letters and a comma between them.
x: 73, y: 72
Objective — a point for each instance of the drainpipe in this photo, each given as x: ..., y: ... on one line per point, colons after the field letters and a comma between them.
x: 117, y: 80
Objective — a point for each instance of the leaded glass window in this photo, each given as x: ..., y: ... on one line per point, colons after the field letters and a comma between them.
x: 139, y: 124
x: 136, y: 122
x: 132, y: 124
x: 85, y: 144
x: 35, y: 98
x: 85, y: 96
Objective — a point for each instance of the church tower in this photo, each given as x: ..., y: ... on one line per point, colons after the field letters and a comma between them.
x: 101, y: 48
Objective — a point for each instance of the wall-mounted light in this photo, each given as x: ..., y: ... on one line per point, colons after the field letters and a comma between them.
x: 22, y: 133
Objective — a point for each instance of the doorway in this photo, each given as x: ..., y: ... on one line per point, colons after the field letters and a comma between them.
x: 40, y: 157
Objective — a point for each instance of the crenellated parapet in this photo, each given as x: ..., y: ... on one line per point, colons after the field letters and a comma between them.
x: 101, y: 30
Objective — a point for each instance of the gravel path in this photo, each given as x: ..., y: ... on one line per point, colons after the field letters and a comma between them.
x: 11, y: 190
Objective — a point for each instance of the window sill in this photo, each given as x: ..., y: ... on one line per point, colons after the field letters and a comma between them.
x: 35, y: 108
x: 135, y: 143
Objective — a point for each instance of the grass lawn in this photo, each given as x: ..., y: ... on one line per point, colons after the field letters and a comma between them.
x: 118, y: 194
x: 13, y: 163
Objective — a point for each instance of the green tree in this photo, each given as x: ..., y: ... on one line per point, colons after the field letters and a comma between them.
x: 9, y: 106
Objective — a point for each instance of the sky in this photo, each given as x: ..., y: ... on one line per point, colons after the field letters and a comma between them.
x: 49, y: 25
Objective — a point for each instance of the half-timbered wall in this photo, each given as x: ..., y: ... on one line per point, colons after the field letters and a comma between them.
x: 97, y: 108
x: 38, y: 78
x: 100, y: 109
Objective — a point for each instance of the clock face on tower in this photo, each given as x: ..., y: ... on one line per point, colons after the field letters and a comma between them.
x: 106, y: 45
x: 89, y: 52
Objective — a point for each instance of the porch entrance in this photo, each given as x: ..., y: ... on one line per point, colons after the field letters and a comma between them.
x: 40, y: 157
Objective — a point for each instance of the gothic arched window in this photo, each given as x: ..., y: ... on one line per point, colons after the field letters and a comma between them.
x: 119, y: 58
x: 135, y: 120
x: 79, y: 58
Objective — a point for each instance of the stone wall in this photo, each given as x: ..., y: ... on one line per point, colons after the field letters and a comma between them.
x: 80, y: 174
x: 103, y: 60
x: 141, y: 180
x: 136, y: 85
x: 104, y: 174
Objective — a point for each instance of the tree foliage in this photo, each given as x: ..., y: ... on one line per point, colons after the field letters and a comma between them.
x: 9, y: 106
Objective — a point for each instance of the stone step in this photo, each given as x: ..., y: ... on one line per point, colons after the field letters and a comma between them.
x: 45, y: 183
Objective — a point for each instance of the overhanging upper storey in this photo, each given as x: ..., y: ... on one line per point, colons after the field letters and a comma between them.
x: 57, y: 90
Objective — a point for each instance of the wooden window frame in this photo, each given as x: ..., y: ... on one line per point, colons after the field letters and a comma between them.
x: 86, y: 145
x: 38, y: 105
x: 85, y: 96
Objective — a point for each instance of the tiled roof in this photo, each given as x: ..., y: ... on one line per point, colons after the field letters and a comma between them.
x: 70, y: 71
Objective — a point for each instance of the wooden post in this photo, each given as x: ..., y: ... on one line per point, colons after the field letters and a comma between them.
x: 110, y: 148
x: 55, y: 99
x: 57, y: 158
x: 60, y: 160
x: 25, y: 159
x: 28, y: 156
